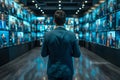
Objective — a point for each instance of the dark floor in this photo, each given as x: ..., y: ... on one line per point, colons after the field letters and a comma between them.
x: 31, y: 66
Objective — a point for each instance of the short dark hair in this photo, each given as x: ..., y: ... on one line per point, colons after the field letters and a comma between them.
x: 60, y: 17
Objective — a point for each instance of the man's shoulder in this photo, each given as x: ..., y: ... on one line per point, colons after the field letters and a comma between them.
x: 54, y: 31
x: 49, y: 33
x: 71, y: 33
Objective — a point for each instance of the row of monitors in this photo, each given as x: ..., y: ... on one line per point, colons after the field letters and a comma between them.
x: 14, y: 38
x: 108, y: 7
x: 110, y: 22
x: 15, y: 24
x: 46, y: 28
x: 109, y: 39
x: 41, y: 29
x: 12, y: 8
x: 50, y: 21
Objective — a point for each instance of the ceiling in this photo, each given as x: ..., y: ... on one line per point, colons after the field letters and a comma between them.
x: 50, y: 6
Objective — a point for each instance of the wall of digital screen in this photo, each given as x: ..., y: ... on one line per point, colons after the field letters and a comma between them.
x: 17, y: 25
x: 102, y: 25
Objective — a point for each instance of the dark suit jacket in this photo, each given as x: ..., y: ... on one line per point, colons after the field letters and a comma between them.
x: 60, y: 45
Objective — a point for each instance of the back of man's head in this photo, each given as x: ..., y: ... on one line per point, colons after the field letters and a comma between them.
x: 59, y: 17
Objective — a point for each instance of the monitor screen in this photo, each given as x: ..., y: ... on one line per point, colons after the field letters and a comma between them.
x: 86, y: 18
x: 76, y: 21
x: 49, y: 21
x: 33, y: 28
x: 80, y: 27
x: 77, y: 29
x: 93, y: 26
x: 27, y: 27
x: 34, y: 19
x: 87, y: 36
x: 41, y: 20
x: 13, y: 38
x: 20, y: 37
x: 94, y: 15
x: 93, y: 36
x: 25, y: 14
x: 20, y: 26
x: 98, y: 12
x: 103, y: 38
x: 70, y: 21
x: 86, y: 26
x: 28, y: 16
x: 13, y: 8
x: 4, y: 6
x: 112, y: 21
x: 90, y: 17
x: 27, y: 37
x: 20, y: 12
x: 103, y: 9
x: 97, y: 25
x: 3, y: 22
x: 4, y: 39
x: 6, y: 2
x: 90, y: 27
x: 111, y: 39
x: 40, y: 35
x: 49, y: 28
x: 81, y: 20
x: 104, y: 26
x: 80, y: 35
x: 33, y: 36
x: 118, y: 20
x: 13, y: 23
x: 98, y: 38
x: 111, y: 6
x: 41, y: 28
x: 90, y: 37
x: 69, y: 28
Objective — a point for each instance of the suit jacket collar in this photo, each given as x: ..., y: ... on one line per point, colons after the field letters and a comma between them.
x: 60, y: 28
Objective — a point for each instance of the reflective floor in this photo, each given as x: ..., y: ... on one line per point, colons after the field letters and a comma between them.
x: 31, y: 66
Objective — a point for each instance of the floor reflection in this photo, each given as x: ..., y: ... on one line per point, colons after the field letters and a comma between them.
x: 34, y: 68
